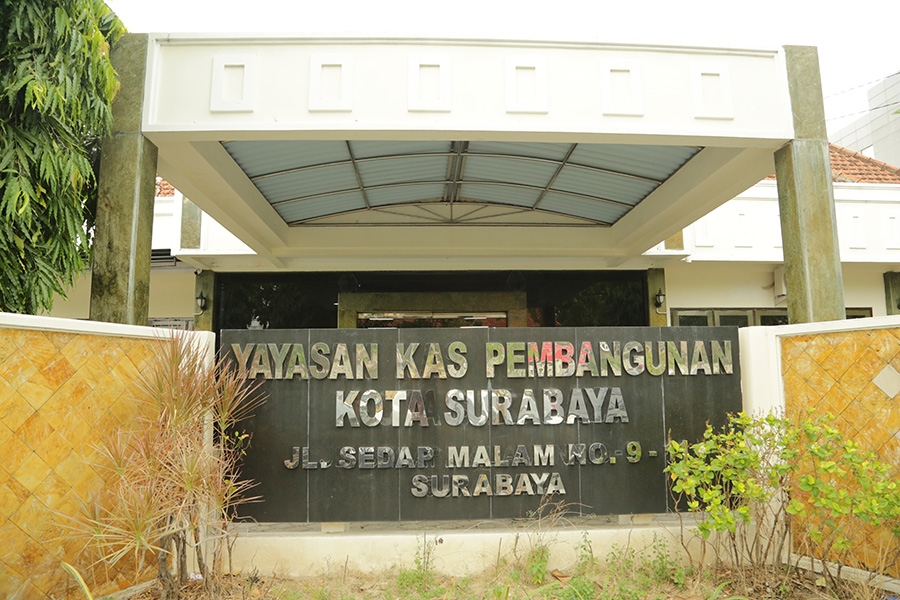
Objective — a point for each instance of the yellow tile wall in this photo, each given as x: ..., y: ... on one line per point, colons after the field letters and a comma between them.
x: 834, y: 372
x: 59, y: 394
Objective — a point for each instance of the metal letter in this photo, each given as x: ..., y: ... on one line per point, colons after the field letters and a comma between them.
x: 341, y: 365
x: 521, y: 457
x: 577, y: 452
x: 366, y: 457
x: 443, y: 490
x: 539, y: 480
x: 384, y: 457
x: 677, y: 354
x: 457, y: 456
x: 405, y: 459
x: 261, y: 364
x: 528, y: 409
x: 598, y: 453
x: 454, y: 401
x: 540, y: 361
x: 565, y: 359
x: 655, y: 367
x: 616, y: 407
x: 722, y: 357
x: 295, y: 459
x: 406, y: 361
x: 501, y: 400
x: 700, y: 359
x: 552, y: 410
x: 610, y: 359
x: 460, y: 485
x: 477, y: 420
x: 577, y: 407
x: 494, y: 354
x: 586, y: 361
x: 305, y: 462
x: 367, y: 361
x: 523, y: 485
x: 434, y: 363
x: 279, y: 356
x: 419, y: 486
x: 457, y: 355
x: 369, y: 419
x: 415, y: 410
x: 556, y: 485
x: 503, y: 484
x: 482, y: 486
x: 544, y: 456
x: 318, y: 353
x: 297, y: 363
x: 343, y: 407
x: 395, y: 397
x: 423, y: 455
x: 634, y: 365
x: 515, y: 359
x: 242, y: 355
x: 482, y: 457
x: 597, y: 397
x: 348, y: 458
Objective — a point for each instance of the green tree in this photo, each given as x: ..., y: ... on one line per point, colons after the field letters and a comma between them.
x: 56, y: 88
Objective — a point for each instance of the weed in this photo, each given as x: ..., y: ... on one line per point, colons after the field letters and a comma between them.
x: 578, y: 588
x: 536, y: 565
x: 585, y: 560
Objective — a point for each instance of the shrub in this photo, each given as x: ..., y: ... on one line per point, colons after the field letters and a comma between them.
x: 768, y: 485
x: 174, y: 479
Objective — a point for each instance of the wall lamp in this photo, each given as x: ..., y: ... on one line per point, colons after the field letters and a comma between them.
x: 659, y: 298
x: 201, y: 302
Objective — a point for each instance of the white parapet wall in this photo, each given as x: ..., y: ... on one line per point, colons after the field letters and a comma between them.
x: 454, y: 548
x: 761, y: 361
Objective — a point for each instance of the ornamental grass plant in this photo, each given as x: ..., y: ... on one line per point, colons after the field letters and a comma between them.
x: 173, y: 476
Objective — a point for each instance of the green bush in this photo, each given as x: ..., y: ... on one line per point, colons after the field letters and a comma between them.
x: 760, y: 481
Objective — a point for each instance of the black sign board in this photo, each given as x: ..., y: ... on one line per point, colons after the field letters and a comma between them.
x: 408, y: 424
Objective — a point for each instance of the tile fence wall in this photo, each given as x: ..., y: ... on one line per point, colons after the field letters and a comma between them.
x: 64, y: 385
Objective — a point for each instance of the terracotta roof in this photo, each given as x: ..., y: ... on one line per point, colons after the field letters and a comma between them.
x: 848, y: 166
x: 164, y: 188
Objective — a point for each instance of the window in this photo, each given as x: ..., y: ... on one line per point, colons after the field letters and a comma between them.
x: 742, y: 317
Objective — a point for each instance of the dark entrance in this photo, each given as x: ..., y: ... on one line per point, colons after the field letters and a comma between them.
x: 309, y: 300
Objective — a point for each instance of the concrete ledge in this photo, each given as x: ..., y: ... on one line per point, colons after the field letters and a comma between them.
x: 457, y: 548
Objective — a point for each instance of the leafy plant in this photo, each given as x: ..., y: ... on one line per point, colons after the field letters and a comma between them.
x: 536, y: 563
x: 758, y: 483
x: 56, y: 90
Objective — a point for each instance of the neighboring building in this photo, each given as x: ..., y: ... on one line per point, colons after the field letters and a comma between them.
x: 877, y: 133
x: 730, y: 270
x: 727, y: 267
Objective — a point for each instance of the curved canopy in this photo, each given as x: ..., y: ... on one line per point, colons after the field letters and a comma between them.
x: 460, y: 182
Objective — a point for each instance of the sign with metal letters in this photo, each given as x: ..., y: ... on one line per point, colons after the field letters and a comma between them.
x: 410, y: 424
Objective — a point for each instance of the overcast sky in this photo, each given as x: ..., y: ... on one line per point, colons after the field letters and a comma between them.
x: 858, y: 41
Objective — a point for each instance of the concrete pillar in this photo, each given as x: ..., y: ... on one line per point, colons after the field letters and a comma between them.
x: 892, y: 292
x: 205, y: 283
x: 120, y: 281
x: 812, y: 263
x: 656, y: 282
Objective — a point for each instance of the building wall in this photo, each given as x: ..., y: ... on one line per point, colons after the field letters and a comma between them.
x: 880, y: 127
x: 171, y: 296
x: 751, y: 285
x: 64, y: 385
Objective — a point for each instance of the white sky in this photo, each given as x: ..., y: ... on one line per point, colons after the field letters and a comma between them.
x: 858, y: 41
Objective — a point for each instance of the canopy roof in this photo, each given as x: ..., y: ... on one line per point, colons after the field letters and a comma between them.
x: 372, y: 153
x: 441, y: 183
